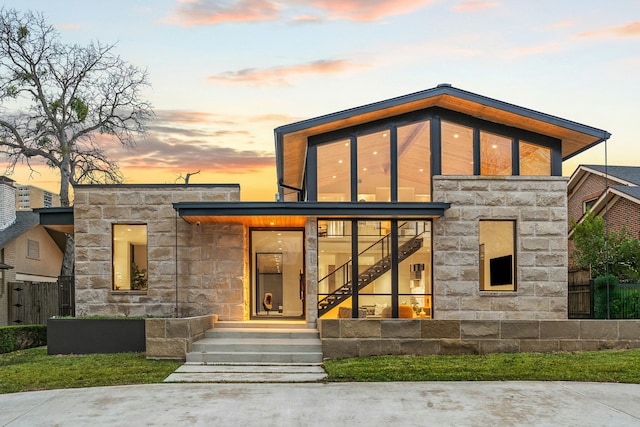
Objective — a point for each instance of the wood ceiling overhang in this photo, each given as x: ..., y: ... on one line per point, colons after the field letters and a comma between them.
x: 291, y: 140
x: 294, y: 214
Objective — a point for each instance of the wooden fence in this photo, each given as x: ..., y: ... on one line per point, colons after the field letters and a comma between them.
x: 580, y: 303
x: 33, y: 302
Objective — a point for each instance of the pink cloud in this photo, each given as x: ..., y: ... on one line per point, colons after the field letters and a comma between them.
x: 538, y: 49
x: 474, y: 5
x: 631, y: 29
x: 207, y: 12
x: 278, y: 75
x: 210, y: 12
x: 367, y: 10
x: 563, y: 24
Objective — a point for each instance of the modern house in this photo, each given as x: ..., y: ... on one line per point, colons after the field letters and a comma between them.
x: 613, y: 191
x: 28, y: 252
x: 441, y: 204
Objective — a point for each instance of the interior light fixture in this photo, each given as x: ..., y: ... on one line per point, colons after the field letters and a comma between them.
x: 339, y: 161
x: 494, y: 146
x: 455, y: 135
x: 375, y: 152
x: 421, y: 170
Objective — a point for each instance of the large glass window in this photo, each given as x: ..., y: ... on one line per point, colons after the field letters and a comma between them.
x: 374, y: 273
x: 535, y: 160
x: 334, y: 268
x: 495, y: 154
x: 457, y: 149
x: 334, y: 172
x: 414, y: 162
x: 497, y: 256
x: 130, y: 257
x: 374, y: 167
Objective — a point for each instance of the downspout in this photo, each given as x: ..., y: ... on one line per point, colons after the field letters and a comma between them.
x: 606, y: 227
x: 176, y: 266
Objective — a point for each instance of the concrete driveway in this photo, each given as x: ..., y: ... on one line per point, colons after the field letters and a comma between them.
x: 333, y: 404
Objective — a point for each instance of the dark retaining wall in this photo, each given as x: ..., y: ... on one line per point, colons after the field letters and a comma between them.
x: 372, y: 337
x: 83, y: 336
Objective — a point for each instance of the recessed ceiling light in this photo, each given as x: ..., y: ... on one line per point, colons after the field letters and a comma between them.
x: 421, y: 170
x: 494, y: 146
x: 339, y: 161
x: 455, y: 135
x: 375, y: 152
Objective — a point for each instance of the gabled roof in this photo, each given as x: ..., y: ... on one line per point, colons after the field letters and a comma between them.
x: 291, y: 140
x: 617, y: 175
x: 25, y: 220
x: 610, y: 197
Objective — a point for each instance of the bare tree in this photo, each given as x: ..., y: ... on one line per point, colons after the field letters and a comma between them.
x: 55, y: 99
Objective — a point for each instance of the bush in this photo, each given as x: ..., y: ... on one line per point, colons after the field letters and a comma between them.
x: 14, y: 338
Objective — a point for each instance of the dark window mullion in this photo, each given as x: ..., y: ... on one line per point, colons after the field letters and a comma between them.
x: 353, y: 145
x: 312, y: 173
x: 476, y: 152
x: 515, y: 159
x: 354, y: 268
x: 394, y: 268
x: 394, y: 163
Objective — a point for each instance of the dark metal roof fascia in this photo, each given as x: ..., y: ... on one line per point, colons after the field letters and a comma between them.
x: 448, y: 90
x: 56, y: 216
x: 312, y: 209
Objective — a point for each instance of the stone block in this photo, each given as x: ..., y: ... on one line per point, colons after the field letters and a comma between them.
x: 629, y: 329
x: 329, y: 328
x: 437, y: 329
x: 535, y: 214
x: 499, y: 346
x: 512, y: 329
x: 599, y: 329
x: 551, y: 260
x: 534, y: 244
x: 369, y: 347
x: 360, y: 328
x: 166, y: 349
x: 338, y: 348
x: 560, y: 329
x: 479, y: 329
x: 521, y: 199
x: 390, y: 347
x: 419, y: 347
x: 155, y: 328
x: 177, y: 328
x: 455, y: 347
x: 539, y: 346
x: 551, y: 199
x: 400, y: 328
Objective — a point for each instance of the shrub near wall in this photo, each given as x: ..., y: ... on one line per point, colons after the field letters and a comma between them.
x: 14, y: 338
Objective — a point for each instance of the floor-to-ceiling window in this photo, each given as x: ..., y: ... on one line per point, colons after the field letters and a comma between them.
x: 392, y: 275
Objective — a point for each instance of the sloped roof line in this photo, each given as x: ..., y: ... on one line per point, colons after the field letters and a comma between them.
x: 25, y: 221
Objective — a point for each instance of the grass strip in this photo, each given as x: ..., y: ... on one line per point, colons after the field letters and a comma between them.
x: 33, y: 369
x: 597, y: 366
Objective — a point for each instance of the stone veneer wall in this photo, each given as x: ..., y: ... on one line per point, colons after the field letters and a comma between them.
x: 372, y: 337
x: 174, y: 338
x: 539, y: 207
x: 311, y: 271
x: 210, y: 256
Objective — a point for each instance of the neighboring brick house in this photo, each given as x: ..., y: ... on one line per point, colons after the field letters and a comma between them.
x: 441, y: 204
x: 608, y: 191
x: 28, y: 252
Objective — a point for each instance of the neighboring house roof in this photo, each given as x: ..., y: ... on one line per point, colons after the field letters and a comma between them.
x: 626, y: 175
x: 291, y: 140
x: 4, y: 266
x: 25, y: 220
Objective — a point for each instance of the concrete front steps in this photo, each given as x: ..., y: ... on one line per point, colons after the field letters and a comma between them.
x: 257, y: 352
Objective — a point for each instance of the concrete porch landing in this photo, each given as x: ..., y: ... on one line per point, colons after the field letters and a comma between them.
x: 254, y: 352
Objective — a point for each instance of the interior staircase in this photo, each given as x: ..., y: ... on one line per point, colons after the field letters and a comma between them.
x: 254, y: 352
x: 367, y: 276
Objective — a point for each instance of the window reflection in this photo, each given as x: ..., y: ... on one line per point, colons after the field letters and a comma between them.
x: 535, y: 160
x: 495, y: 154
x: 334, y: 172
x: 414, y: 162
x: 374, y: 167
x: 457, y: 149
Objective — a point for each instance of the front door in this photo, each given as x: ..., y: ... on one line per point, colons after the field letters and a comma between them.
x: 277, y: 266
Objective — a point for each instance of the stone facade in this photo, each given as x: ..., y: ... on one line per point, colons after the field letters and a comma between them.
x: 372, y: 337
x: 193, y: 269
x: 538, y: 205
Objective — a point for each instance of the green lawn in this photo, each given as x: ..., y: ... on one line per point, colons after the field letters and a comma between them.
x: 33, y: 369
x: 597, y: 366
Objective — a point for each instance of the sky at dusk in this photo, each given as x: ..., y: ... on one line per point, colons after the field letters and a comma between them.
x: 225, y: 73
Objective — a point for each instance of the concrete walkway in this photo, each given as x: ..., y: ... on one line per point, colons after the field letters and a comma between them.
x: 333, y: 404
